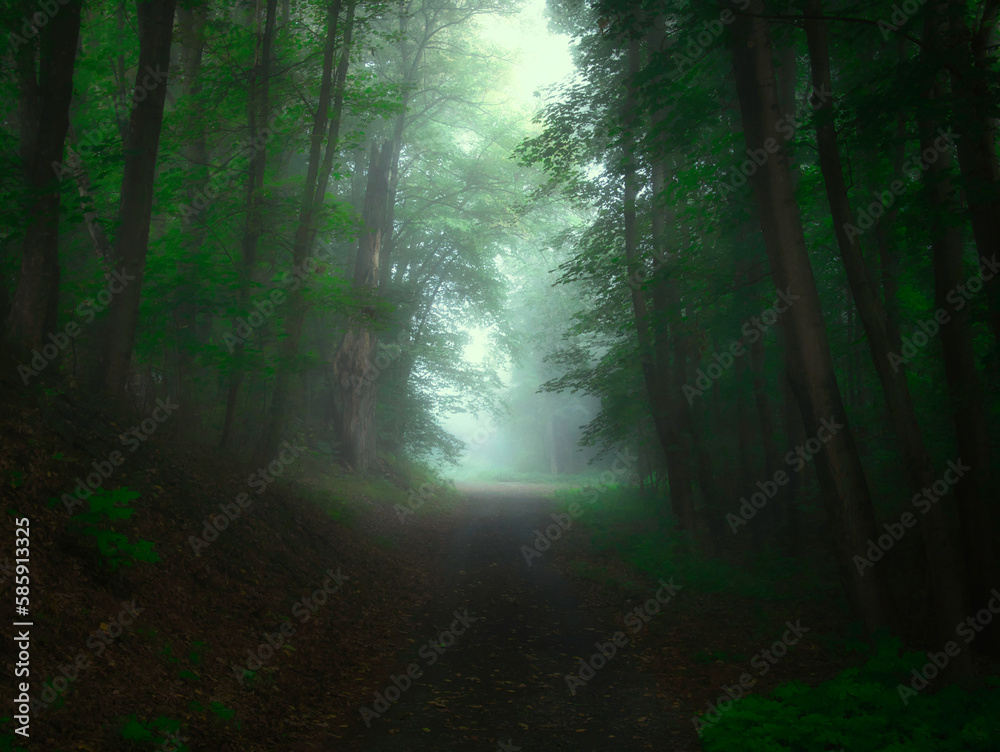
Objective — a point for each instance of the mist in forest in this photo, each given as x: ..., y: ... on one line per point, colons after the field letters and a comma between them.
x: 711, y: 290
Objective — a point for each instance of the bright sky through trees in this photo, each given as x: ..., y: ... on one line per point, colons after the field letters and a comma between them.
x: 541, y: 58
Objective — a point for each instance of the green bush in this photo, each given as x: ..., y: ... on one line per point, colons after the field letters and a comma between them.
x: 861, y: 710
x: 117, y: 549
x: 618, y: 518
x: 161, y: 733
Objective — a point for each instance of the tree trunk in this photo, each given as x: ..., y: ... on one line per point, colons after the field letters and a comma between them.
x: 655, y: 383
x: 789, y: 495
x: 353, y: 363
x: 102, y: 246
x: 156, y: 26
x: 305, y: 235
x: 944, y: 572
x: 975, y: 123
x: 191, y: 387
x: 258, y: 110
x: 409, y: 66
x: 669, y: 366
x: 965, y: 390
x: 888, y: 249
x: 765, y: 421
x: 852, y: 520
x: 34, y: 310
x: 743, y: 487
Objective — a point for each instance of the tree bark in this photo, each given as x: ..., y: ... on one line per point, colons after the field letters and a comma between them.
x: 45, y: 112
x: 944, y: 583
x: 187, y: 310
x: 975, y: 123
x: 846, y: 492
x: 965, y: 389
x: 670, y: 363
x: 258, y: 110
x: 353, y: 363
x: 156, y: 26
x: 305, y: 235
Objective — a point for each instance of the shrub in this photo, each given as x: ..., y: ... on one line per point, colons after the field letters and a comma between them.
x: 861, y: 710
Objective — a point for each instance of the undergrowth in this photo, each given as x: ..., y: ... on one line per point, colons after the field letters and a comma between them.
x: 866, y: 709
x: 618, y: 518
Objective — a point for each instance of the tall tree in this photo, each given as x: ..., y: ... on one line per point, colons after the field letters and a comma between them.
x: 311, y: 204
x: 965, y: 389
x: 258, y: 110
x: 156, y: 27
x: 45, y: 77
x: 353, y: 363
x: 943, y: 571
x: 848, y: 499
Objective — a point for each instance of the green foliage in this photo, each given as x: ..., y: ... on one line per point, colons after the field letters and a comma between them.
x: 618, y: 519
x: 115, y: 548
x: 219, y: 710
x: 154, y: 734
x: 168, y: 654
x: 8, y: 739
x: 195, y: 657
x: 861, y: 710
x: 197, y: 653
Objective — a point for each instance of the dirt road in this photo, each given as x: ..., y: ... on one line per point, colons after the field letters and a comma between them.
x: 487, y: 664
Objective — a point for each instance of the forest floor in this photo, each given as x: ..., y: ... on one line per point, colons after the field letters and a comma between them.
x: 282, y: 631
x: 515, y: 677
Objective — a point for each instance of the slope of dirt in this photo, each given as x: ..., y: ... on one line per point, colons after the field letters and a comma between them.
x: 169, y: 640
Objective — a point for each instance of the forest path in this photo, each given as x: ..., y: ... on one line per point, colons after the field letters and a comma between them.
x: 495, y: 642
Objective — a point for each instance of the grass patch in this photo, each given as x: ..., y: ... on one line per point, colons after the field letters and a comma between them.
x: 503, y: 475
x: 621, y: 520
x: 861, y: 710
x: 405, y: 488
